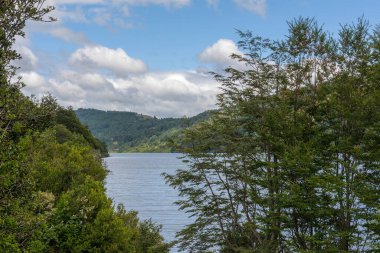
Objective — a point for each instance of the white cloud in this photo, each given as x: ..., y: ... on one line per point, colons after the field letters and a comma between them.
x: 68, y: 91
x: 34, y: 81
x: 68, y: 35
x: 109, y: 79
x: 58, y: 30
x: 28, y: 59
x: 255, y: 6
x: 168, y: 93
x: 62, y: 13
x: 115, y: 60
x: 219, y: 54
x: 164, y: 94
x: 86, y: 84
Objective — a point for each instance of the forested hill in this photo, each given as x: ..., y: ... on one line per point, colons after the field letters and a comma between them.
x: 133, y: 132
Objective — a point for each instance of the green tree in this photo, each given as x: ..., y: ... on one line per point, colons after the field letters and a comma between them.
x: 289, y: 162
x: 13, y: 106
x: 68, y: 118
x: 52, y: 195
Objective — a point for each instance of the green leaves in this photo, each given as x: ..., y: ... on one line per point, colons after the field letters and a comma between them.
x: 13, y: 16
x: 290, y: 162
x: 52, y: 195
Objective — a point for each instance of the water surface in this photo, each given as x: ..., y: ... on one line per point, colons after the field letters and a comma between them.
x: 135, y: 180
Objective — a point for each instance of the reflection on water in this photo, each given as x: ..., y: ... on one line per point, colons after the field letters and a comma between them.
x: 135, y: 180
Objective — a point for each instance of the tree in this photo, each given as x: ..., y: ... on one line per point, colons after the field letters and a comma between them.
x: 15, y: 109
x: 286, y: 164
x: 13, y: 16
x: 52, y: 194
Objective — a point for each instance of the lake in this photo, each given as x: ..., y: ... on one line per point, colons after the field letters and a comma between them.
x: 135, y: 180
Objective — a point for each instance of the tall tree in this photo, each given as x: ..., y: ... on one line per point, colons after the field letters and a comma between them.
x: 286, y: 164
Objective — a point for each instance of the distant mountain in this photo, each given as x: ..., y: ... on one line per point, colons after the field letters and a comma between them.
x: 133, y: 132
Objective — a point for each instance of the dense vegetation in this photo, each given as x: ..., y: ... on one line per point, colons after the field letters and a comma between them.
x: 291, y: 161
x: 52, y: 195
x: 132, y: 132
x: 68, y: 118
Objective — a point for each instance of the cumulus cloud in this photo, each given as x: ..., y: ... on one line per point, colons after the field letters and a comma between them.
x: 109, y: 79
x: 82, y: 82
x: 116, y: 61
x: 85, y: 84
x: 35, y: 81
x: 28, y: 59
x: 168, y: 93
x: 255, y: 6
x: 164, y: 94
x: 219, y: 54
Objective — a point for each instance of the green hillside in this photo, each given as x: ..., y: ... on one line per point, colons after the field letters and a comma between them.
x: 133, y: 132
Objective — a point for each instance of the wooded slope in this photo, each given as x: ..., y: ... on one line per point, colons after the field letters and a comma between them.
x: 133, y: 132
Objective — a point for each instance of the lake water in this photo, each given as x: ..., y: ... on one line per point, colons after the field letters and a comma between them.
x: 135, y: 180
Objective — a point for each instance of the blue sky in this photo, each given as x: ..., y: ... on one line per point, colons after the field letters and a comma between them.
x: 151, y: 56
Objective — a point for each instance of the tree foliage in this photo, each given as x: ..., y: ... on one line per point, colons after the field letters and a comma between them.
x: 68, y: 118
x: 52, y: 194
x: 290, y: 162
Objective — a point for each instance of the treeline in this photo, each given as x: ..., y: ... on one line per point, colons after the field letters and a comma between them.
x: 52, y: 194
x: 291, y: 161
x: 133, y: 132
